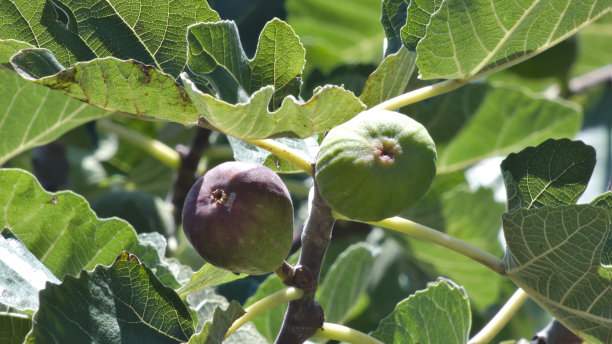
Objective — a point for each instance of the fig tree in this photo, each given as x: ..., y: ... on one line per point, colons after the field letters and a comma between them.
x: 239, y: 217
x: 376, y: 165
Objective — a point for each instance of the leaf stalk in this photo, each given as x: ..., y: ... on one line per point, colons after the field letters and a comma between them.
x: 500, y: 319
x: 345, y: 334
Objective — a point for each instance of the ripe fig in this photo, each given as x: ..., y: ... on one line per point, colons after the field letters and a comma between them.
x: 239, y: 217
x: 377, y: 165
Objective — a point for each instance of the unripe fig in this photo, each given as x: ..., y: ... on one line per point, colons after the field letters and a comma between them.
x: 377, y: 165
x: 239, y: 217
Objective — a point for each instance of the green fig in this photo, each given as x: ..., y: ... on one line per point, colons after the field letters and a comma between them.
x: 239, y: 217
x: 377, y: 165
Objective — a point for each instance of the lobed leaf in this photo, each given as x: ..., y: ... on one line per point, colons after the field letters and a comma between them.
x: 443, y: 303
x: 556, y: 172
x: 464, y: 39
x: 23, y: 275
x: 555, y: 254
x: 330, y: 106
x: 75, y: 31
x: 122, y: 303
x: 59, y: 228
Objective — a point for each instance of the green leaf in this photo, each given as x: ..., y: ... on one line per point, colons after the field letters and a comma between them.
x: 59, y: 228
x: 279, y: 59
x: 330, y: 106
x: 393, y: 18
x: 208, y: 276
x: 23, y: 275
x: 247, y: 152
x: 123, y: 303
x: 78, y: 31
x: 345, y: 282
x: 473, y: 217
x: 396, y: 75
x: 337, y: 32
x: 443, y: 303
x: 554, y: 254
x: 419, y: 15
x: 8, y: 48
x: 480, y: 121
x: 605, y: 201
x: 14, y: 327
x: 465, y: 39
x: 554, y: 173
x: 24, y: 124
x: 214, y: 331
x: 116, y: 85
x: 593, y: 49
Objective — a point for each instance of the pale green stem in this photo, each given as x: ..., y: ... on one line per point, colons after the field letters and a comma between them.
x: 268, y: 302
x: 345, y: 334
x: 157, y: 149
x: 284, y: 152
x: 423, y: 232
x: 500, y: 319
x: 420, y: 94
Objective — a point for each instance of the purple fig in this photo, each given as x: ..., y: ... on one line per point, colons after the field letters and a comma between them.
x: 239, y: 217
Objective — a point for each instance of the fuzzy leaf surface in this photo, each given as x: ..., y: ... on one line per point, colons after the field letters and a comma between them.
x: 23, y: 275
x: 443, y: 303
x: 59, y: 228
x: 150, y: 32
x: 467, y: 38
x: 555, y: 255
x: 330, y: 106
x: 122, y: 303
x: 555, y: 172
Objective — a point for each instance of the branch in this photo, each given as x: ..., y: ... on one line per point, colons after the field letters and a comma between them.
x: 423, y: 232
x: 186, y: 174
x: 157, y: 149
x: 305, y: 316
x: 345, y: 334
x: 284, y: 152
x: 500, y: 319
x: 268, y: 302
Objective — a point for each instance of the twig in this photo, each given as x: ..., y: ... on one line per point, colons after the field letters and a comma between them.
x: 500, y: 319
x: 269, y: 302
x: 345, y: 334
x: 305, y: 316
x: 186, y: 174
x: 423, y: 232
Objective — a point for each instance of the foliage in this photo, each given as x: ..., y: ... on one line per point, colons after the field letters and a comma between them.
x: 89, y: 87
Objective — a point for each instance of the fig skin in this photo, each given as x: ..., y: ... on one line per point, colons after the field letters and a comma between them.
x: 239, y: 217
x: 377, y: 165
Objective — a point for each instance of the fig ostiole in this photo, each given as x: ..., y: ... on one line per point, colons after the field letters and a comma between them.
x: 377, y: 165
x: 239, y: 217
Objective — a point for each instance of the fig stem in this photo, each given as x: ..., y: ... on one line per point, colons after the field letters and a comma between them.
x: 268, y: 302
x: 157, y: 149
x: 420, y: 94
x: 285, y: 272
x: 345, y: 334
x: 429, y: 234
x: 492, y: 328
x: 284, y: 152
